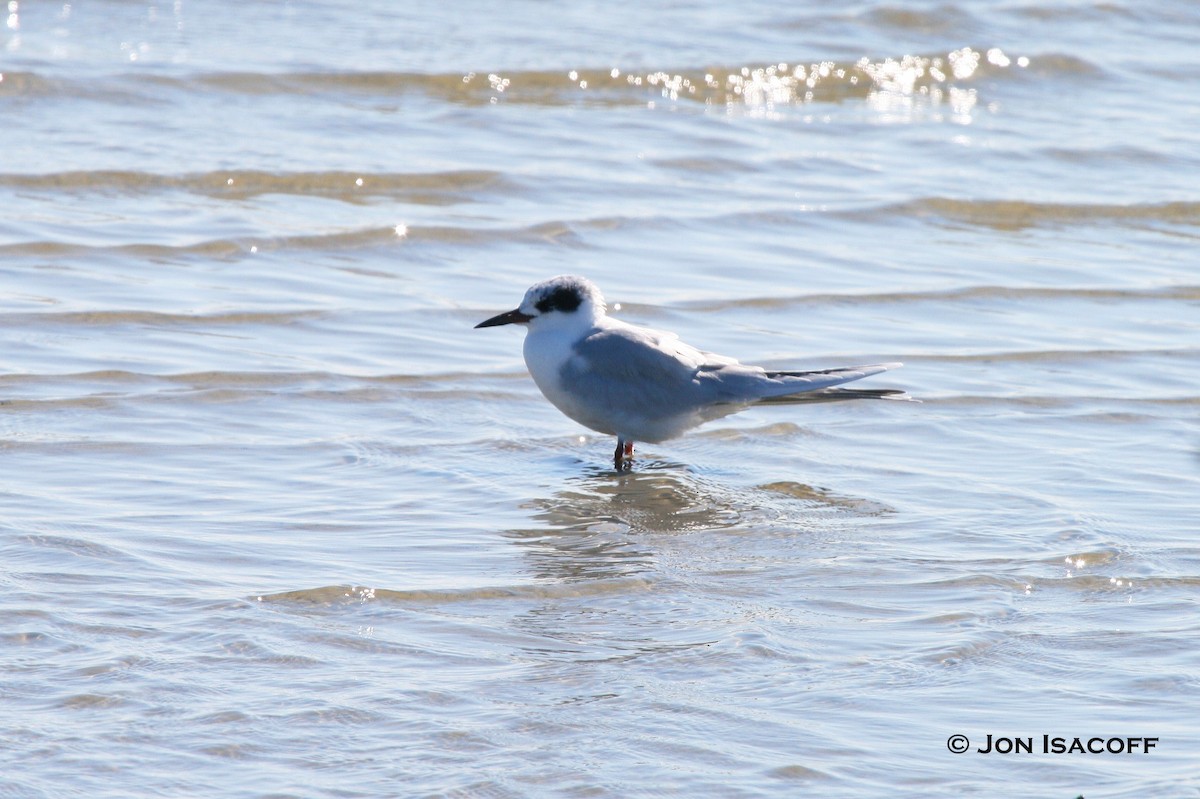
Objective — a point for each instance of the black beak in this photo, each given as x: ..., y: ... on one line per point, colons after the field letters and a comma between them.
x: 507, y: 318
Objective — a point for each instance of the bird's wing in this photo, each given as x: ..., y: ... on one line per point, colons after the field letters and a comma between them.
x: 643, y: 371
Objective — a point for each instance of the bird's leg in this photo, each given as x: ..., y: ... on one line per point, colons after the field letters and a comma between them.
x: 623, y: 457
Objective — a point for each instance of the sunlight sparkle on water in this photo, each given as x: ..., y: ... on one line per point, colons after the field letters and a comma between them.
x: 781, y: 83
x: 963, y: 63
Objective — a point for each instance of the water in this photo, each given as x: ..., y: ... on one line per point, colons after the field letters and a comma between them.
x: 279, y: 522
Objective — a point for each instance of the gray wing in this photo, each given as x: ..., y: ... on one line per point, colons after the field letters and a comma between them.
x: 641, y: 370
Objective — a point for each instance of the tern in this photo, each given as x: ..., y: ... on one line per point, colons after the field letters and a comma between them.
x: 641, y: 384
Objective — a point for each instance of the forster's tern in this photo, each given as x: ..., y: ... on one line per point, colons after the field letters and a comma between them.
x: 640, y: 384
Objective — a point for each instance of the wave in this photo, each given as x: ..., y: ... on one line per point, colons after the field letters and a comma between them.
x: 232, y: 378
x: 953, y: 295
x: 1019, y: 214
x: 427, y: 188
x: 28, y: 84
x: 212, y: 248
x: 744, y: 84
x: 1057, y: 356
x: 756, y: 84
x: 155, y: 318
x: 996, y: 214
x: 336, y: 241
x: 333, y: 595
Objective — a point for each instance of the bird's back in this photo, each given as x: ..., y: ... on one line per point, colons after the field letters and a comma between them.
x: 646, y: 385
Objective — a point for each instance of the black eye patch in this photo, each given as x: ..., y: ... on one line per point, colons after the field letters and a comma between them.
x: 561, y: 299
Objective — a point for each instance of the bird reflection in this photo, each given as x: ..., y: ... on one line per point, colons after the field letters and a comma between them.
x: 590, y: 528
x: 603, y: 523
x: 662, y: 498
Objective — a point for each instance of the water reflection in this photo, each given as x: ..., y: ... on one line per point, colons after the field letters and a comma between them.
x: 657, y: 497
x: 605, y: 524
x: 585, y: 528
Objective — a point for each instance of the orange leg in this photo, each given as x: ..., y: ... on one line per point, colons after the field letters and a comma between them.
x: 623, y: 457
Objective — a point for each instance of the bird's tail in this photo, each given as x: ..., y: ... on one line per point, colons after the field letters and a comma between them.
x: 824, y: 385
x: 837, y: 395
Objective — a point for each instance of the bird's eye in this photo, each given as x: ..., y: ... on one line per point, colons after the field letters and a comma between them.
x: 561, y: 299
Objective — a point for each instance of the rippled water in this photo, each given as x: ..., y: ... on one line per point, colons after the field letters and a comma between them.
x: 279, y: 522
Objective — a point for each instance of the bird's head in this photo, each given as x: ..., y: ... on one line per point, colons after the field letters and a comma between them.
x: 566, y: 300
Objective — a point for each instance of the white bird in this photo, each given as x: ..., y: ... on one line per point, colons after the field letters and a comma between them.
x: 641, y: 384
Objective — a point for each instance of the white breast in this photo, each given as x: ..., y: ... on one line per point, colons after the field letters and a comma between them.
x: 545, y: 355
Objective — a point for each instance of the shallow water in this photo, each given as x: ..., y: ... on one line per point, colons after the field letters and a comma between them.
x: 279, y: 522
